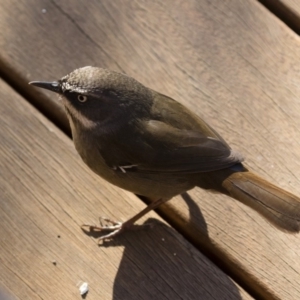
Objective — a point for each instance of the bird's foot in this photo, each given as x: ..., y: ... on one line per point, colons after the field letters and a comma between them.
x: 114, y: 228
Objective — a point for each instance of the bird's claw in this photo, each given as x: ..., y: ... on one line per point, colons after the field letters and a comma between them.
x: 114, y: 224
x: 115, y: 228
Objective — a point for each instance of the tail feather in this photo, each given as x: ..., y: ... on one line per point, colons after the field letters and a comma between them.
x: 278, y: 206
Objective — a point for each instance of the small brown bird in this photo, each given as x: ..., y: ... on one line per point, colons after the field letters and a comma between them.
x: 151, y: 145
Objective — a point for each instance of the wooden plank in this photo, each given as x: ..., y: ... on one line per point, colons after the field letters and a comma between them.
x: 46, y: 193
x: 287, y: 10
x: 293, y: 5
x: 232, y: 62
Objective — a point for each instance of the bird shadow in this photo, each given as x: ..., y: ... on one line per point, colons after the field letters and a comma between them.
x: 158, y: 263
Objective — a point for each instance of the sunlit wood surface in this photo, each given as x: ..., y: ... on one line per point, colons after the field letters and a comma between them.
x: 232, y: 62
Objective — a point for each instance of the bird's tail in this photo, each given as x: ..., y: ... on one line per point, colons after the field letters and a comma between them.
x: 278, y: 206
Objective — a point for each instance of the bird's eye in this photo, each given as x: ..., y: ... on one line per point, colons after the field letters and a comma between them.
x: 81, y: 98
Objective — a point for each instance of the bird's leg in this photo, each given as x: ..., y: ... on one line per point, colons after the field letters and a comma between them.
x: 118, y: 227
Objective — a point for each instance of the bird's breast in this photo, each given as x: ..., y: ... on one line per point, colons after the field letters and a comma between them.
x: 102, y: 158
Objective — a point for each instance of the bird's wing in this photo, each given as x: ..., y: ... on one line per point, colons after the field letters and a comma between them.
x: 165, y: 148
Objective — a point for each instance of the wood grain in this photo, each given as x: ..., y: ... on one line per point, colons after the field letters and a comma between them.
x: 232, y: 62
x: 286, y: 10
x: 293, y: 5
x: 46, y: 194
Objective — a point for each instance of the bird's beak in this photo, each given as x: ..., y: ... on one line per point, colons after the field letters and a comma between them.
x: 53, y: 86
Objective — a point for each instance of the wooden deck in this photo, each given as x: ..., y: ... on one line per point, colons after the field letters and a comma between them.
x: 235, y: 63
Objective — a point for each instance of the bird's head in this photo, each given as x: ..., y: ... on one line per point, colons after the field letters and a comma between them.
x: 95, y: 96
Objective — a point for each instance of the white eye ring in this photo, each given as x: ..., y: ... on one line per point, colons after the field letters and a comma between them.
x: 81, y: 98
